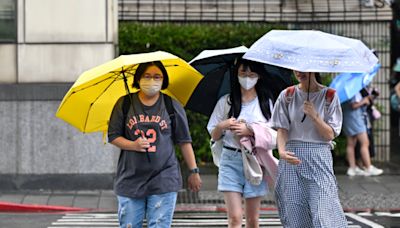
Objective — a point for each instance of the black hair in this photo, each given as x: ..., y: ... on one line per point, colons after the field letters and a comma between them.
x: 318, y: 77
x: 263, y: 94
x: 143, y: 67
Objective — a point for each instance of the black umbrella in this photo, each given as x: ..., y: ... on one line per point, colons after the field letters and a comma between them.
x: 216, y: 66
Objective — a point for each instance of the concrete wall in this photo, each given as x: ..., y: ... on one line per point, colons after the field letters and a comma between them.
x: 56, y: 41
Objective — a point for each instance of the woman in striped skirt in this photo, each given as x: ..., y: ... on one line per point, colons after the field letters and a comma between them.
x: 306, y: 188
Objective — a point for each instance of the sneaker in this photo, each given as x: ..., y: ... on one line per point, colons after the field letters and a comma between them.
x: 355, y: 172
x: 373, y: 171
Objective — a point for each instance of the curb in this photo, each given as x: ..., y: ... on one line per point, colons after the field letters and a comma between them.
x: 25, y: 208
x: 15, y: 207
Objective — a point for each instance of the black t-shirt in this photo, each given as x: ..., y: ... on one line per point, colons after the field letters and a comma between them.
x: 136, y: 176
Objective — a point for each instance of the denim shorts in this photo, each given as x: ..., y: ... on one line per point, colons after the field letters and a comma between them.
x: 158, y: 209
x: 231, y: 176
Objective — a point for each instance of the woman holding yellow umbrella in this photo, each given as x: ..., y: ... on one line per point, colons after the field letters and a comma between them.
x: 148, y: 176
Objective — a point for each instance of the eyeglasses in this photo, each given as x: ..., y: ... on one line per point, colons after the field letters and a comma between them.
x: 247, y: 74
x: 156, y: 77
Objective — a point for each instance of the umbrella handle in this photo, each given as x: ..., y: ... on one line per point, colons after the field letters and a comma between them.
x: 148, y: 155
x: 304, y: 117
x: 308, y: 94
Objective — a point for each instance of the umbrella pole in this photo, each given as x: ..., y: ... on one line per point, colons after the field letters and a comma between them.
x: 131, y: 101
x: 308, y: 94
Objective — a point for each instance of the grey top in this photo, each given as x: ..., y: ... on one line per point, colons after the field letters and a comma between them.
x: 250, y: 112
x: 287, y: 114
x: 136, y: 176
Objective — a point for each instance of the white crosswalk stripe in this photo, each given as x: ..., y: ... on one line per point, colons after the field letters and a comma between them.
x: 187, y: 219
x: 381, y: 214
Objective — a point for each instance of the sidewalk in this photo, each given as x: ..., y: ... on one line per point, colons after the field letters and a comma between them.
x: 381, y: 193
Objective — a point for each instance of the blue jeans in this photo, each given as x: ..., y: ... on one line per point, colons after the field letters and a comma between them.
x: 158, y: 209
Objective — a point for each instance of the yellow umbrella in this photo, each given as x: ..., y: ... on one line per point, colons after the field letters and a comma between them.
x: 89, y: 103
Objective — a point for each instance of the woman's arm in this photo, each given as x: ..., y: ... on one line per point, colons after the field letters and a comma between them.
x: 194, y: 180
x: 323, y: 128
x: 140, y: 144
x: 282, y: 138
x: 221, y: 127
x: 365, y: 101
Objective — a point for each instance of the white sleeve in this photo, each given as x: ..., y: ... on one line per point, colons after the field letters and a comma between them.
x: 218, y: 114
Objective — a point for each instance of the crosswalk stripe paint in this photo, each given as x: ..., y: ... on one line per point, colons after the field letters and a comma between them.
x: 364, y: 220
x: 184, y: 220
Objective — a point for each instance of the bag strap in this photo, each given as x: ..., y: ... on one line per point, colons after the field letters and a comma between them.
x: 289, y: 94
x: 125, y: 109
x: 171, y: 112
x: 125, y: 106
x: 330, y: 93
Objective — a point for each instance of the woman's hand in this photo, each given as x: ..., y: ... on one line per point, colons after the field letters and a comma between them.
x: 289, y: 157
x: 309, y: 110
x: 194, y: 182
x: 227, y: 124
x: 240, y: 129
x: 367, y: 100
x: 140, y: 144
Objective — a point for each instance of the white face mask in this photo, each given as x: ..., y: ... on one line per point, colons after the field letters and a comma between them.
x: 150, y: 87
x: 247, y: 83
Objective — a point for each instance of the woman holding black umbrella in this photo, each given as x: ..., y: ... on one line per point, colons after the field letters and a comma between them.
x: 248, y: 102
x: 306, y: 190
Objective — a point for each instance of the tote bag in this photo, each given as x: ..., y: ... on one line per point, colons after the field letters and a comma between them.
x: 216, y: 146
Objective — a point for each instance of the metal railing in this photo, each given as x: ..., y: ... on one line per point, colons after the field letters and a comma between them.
x: 252, y: 10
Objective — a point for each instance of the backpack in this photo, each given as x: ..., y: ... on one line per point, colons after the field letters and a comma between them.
x: 168, y: 105
x: 330, y: 93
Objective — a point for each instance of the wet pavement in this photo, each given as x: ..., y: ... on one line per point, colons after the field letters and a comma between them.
x: 366, y: 197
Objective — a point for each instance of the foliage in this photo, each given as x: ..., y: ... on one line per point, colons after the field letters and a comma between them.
x: 187, y: 41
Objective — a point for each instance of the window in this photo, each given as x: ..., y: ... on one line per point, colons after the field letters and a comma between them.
x: 8, y: 25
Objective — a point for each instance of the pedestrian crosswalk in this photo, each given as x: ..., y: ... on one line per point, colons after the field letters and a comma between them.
x: 187, y: 219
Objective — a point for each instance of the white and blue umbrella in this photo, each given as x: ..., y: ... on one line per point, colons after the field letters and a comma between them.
x: 347, y: 85
x: 312, y: 51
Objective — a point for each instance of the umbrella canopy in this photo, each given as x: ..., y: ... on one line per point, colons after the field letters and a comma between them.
x: 216, y: 67
x: 89, y: 102
x: 312, y: 51
x: 347, y: 85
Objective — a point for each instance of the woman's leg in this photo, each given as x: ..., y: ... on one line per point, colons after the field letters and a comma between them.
x: 233, y: 202
x: 252, y: 207
x: 364, y: 148
x: 160, y: 210
x: 131, y: 212
x: 350, y: 145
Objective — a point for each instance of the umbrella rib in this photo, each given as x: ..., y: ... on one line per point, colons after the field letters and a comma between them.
x: 114, y: 77
x: 116, y: 73
x: 74, y: 92
x: 97, y: 98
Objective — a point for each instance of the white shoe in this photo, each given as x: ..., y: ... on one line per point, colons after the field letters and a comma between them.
x: 355, y: 172
x: 373, y: 171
